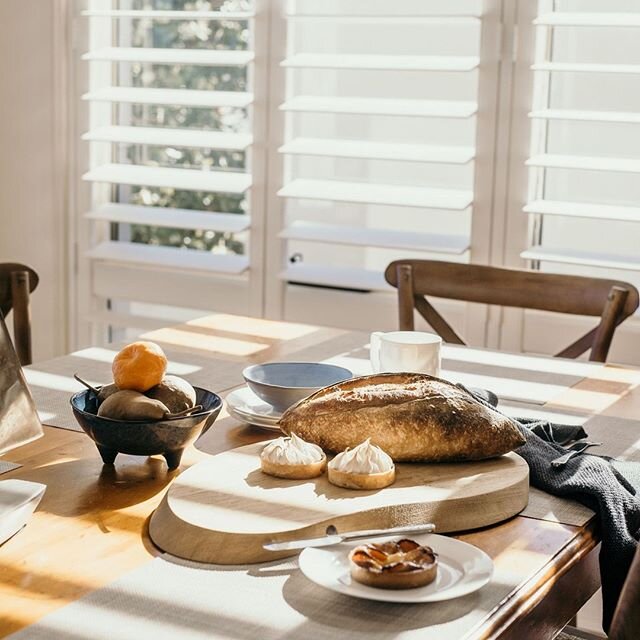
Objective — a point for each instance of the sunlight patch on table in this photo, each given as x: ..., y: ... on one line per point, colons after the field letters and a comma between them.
x: 45, y: 416
x: 543, y: 364
x: 539, y: 413
x: 59, y: 460
x: 159, y: 601
x: 584, y: 400
x: 616, y: 373
x: 522, y: 361
x: 527, y: 561
x: 630, y: 451
x: 54, y: 381
x: 357, y: 366
x: 255, y: 327
x: 521, y: 390
x: 98, y: 354
x: 107, y: 355
x: 203, y: 342
x: 513, y: 389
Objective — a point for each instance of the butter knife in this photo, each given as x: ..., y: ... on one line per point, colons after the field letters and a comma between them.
x: 333, y: 537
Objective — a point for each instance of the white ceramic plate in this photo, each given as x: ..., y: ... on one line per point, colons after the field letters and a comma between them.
x: 462, y: 569
x: 244, y: 405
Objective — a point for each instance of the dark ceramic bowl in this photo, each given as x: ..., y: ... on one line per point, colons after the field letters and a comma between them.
x: 282, y: 384
x: 168, y: 437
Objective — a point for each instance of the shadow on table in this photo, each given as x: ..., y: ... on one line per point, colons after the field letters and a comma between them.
x: 324, y: 609
x: 190, y: 599
x: 98, y: 614
x: 368, y: 617
x: 226, y: 433
x: 131, y: 481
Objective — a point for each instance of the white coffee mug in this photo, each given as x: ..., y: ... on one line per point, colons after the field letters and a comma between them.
x: 410, y: 351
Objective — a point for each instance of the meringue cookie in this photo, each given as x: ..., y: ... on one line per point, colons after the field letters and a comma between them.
x: 292, y: 457
x: 365, y: 458
x: 363, y: 467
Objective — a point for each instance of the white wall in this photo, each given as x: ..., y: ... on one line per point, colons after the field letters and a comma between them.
x: 32, y: 167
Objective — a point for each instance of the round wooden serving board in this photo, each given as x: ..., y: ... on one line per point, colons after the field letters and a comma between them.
x: 224, y: 509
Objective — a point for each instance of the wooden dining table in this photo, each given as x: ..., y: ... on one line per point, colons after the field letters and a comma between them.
x: 91, y: 526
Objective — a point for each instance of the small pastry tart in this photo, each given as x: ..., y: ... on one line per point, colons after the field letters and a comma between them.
x: 399, y: 564
x: 292, y: 458
x: 364, y: 467
x: 362, y: 481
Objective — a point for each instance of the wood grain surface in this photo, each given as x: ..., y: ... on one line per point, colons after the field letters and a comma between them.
x: 224, y: 509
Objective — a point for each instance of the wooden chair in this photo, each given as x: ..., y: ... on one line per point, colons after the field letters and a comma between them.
x: 610, y: 300
x: 626, y: 618
x: 17, y: 282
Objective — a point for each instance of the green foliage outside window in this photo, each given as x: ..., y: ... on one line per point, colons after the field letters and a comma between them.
x: 192, y: 34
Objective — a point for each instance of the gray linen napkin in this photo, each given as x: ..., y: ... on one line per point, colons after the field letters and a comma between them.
x: 608, y: 487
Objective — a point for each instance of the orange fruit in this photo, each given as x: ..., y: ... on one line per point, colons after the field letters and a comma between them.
x: 139, y: 366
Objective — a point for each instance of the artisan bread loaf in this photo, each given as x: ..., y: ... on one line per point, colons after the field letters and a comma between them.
x: 413, y: 417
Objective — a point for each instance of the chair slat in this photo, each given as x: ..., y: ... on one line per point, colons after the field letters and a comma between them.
x: 436, y: 321
x: 21, y: 315
x: 626, y: 618
x: 405, y: 298
x: 520, y: 288
x: 611, y: 317
x: 17, y: 282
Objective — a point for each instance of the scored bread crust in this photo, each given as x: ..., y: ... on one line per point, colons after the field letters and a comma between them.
x: 293, y: 471
x: 364, y: 481
x: 411, y: 416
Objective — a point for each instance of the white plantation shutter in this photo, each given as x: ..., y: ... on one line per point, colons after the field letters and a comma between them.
x: 584, y: 162
x: 572, y: 162
x: 157, y: 136
x: 379, y: 128
x: 367, y: 130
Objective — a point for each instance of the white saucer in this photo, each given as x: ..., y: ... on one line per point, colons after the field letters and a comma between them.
x: 244, y: 405
x: 462, y: 569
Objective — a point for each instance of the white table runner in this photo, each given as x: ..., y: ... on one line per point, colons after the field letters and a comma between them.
x: 171, y: 599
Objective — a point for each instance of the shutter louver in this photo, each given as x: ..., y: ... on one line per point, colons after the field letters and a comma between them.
x: 179, y: 97
x: 166, y: 217
x: 170, y: 137
x: 187, y: 179
x: 381, y: 106
x: 211, y: 58
x: 160, y: 14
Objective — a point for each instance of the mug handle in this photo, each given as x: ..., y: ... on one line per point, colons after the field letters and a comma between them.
x: 374, y: 350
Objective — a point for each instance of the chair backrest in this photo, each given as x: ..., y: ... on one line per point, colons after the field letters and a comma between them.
x: 611, y: 300
x: 626, y: 618
x: 17, y: 282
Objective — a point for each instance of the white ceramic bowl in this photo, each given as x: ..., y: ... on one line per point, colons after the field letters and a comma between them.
x: 282, y: 384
